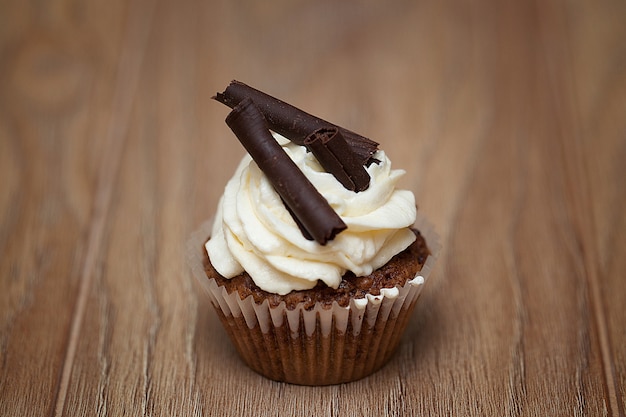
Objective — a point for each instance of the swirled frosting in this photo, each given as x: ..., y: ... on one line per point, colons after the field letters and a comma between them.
x: 253, y: 231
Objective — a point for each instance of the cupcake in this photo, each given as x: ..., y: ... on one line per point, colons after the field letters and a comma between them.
x: 314, y: 259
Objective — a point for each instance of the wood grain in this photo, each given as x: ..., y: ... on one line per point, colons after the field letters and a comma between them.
x: 507, y: 116
x: 51, y: 87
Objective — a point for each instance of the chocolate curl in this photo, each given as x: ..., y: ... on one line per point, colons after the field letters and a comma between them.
x: 309, y: 208
x: 303, y: 230
x: 336, y: 157
x: 291, y: 122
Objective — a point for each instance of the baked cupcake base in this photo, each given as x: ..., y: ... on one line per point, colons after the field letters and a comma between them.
x: 318, y: 338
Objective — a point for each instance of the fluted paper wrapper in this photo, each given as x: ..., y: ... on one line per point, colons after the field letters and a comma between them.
x: 322, y: 345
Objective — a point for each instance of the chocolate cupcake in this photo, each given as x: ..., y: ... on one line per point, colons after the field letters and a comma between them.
x: 314, y: 260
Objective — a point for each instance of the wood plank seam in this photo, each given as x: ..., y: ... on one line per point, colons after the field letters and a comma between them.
x: 577, y: 171
x: 137, y: 32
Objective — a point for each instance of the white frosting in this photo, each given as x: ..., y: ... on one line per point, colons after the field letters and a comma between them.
x: 253, y: 231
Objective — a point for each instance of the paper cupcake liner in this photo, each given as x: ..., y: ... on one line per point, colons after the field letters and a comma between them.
x: 319, y: 346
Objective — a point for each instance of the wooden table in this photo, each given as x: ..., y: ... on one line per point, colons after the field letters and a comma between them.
x: 508, y: 116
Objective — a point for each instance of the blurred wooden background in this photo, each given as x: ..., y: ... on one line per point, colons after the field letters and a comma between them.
x: 508, y: 116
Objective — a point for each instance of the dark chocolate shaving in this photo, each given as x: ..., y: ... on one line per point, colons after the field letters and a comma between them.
x: 308, y: 207
x: 291, y: 122
x: 336, y: 157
